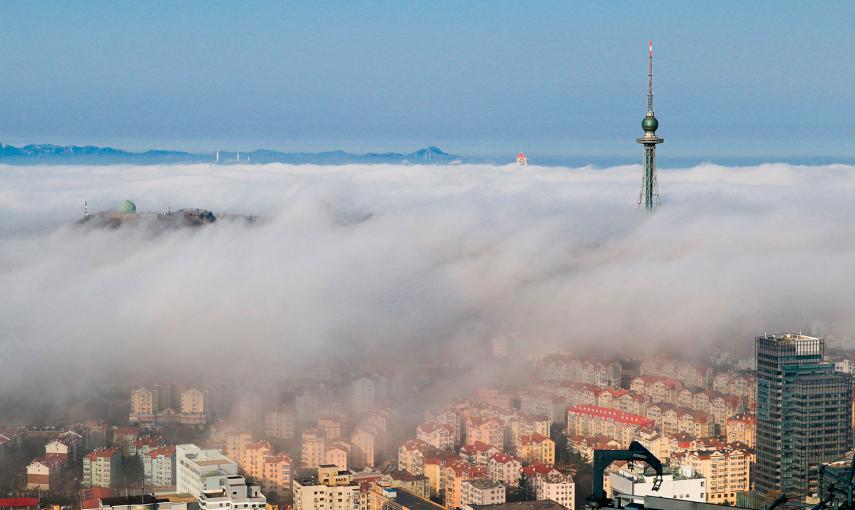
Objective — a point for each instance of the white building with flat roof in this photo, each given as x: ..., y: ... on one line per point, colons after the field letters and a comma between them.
x: 680, y: 484
x: 213, y: 478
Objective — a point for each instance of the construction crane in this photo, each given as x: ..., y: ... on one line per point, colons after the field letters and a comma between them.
x: 604, y: 458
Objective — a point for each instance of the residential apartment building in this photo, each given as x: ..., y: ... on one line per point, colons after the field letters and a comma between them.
x: 102, y: 468
x: 487, y: 430
x: 726, y: 470
x: 192, y: 401
x: 312, y: 448
x: 505, y: 468
x: 144, y: 402
x: 279, y: 423
x: 536, y: 448
x: 440, y: 436
x: 159, y: 466
x: 276, y: 473
x: 741, y: 429
x: 213, y: 478
x: 43, y: 473
x: 482, y: 492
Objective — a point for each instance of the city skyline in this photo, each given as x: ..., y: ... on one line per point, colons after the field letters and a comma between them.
x: 472, y: 80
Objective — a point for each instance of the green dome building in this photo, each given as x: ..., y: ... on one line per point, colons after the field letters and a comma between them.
x: 127, y: 207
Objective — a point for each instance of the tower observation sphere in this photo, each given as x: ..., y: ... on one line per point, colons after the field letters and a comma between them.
x: 650, y: 124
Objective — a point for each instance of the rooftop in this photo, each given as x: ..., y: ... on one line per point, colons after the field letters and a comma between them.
x: 413, y: 502
x: 522, y: 505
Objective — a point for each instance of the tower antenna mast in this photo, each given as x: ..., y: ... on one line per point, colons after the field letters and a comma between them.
x: 649, y: 194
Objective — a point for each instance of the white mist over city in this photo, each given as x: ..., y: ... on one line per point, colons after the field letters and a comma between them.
x: 354, y: 258
x: 427, y: 256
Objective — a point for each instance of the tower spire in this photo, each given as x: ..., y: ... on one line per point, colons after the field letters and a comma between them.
x: 650, y: 82
x: 649, y: 194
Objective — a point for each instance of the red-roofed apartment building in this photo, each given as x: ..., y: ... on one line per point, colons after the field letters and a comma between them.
x: 43, y: 473
x: 505, y: 468
x: 487, y: 430
x: 102, y: 468
x: 592, y: 421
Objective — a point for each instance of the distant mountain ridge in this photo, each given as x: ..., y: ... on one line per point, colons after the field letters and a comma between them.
x: 92, y: 155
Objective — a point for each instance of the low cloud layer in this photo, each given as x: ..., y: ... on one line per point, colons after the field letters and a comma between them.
x: 353, y: 260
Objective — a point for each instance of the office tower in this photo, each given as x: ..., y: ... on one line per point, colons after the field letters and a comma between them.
x: 803, y: 412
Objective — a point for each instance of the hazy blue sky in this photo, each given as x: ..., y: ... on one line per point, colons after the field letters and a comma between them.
x: 760, y: 79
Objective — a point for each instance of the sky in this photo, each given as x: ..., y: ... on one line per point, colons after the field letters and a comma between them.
x: 357, y: 259
x: 770, y: 81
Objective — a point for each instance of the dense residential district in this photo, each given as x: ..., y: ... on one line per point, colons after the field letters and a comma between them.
x: 730, y: 430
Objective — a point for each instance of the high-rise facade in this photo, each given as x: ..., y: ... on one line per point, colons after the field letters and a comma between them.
x: 803, y: 412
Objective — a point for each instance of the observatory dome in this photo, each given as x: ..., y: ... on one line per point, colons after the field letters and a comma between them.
x: 127, y: 207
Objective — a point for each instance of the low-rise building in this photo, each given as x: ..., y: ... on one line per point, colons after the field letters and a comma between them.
x: 536, y: 448
x: 332, y: 493
x: 482, y: 492
x: 741, y: 429
x: 276, y: 473
x: 43, y: 473
x: 279, y: 423
x: 556, y: 487
x: 505, y: 468
x: 440, y: 436
x: 727, y: 471
x: 637, y: 483
x: 159, y: 466
x: 102, y: 468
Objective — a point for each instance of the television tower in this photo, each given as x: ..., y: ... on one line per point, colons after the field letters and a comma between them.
x: 649, y: 194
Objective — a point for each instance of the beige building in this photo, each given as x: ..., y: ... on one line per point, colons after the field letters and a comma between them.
x: 192, y: 401
x: 726, y: 471
x: 43, y: 473
x: 412, y: 455
x: 438, y: 435
x: 236, y: 445
x: 313, y: 448
x: 505, y: 468
x: 329, y: 490
x: 741, y: 429
x: 143, y: 402
x: 454, y: 474
x: 279, y: 424
x: 487, y: 430
x: 336, y: 454
x: 276, y: 474
x: 252, y: 460
x: 362, y: 449
x: 536, y: 448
